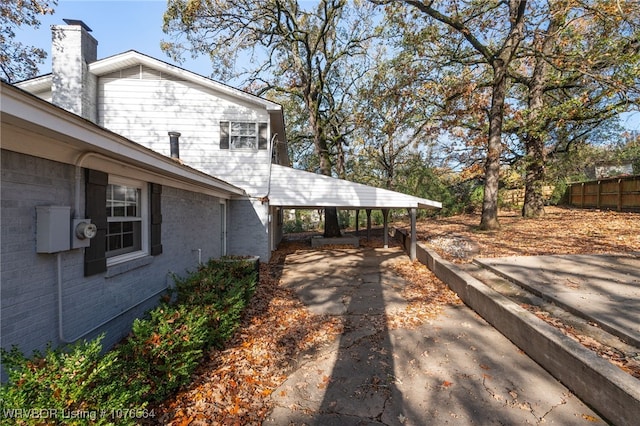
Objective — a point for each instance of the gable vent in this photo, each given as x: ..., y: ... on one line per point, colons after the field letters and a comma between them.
x: 141, y: 72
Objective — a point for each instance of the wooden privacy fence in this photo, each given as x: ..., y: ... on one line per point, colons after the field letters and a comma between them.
x: 614, y: 193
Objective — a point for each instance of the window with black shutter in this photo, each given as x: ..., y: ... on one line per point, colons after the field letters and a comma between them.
x: 95, y: 259
x: 262, y: 136
x: 156, y: 219
x: 128, y: 216
x: 224, y: 135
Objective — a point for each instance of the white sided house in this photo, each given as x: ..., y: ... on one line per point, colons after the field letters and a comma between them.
x: 223, y: 132
x: 217, y: 129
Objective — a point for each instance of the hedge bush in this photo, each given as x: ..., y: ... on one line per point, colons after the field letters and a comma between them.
x: 65, y: 384
x: 157, y: 357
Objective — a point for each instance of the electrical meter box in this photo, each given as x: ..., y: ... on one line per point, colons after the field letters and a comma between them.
x: 53, y: 225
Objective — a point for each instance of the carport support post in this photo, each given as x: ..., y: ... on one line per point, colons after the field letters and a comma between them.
x: 412, y: 250
x: 385, y: 220
x: 357, y: 220
x: 368, y: 224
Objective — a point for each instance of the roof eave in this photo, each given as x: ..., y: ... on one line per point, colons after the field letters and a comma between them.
x: 37, y: 84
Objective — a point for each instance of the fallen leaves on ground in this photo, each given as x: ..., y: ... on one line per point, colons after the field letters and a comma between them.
x: 426, y: 294
x: 628, y: 362
x: 232, y: 386
x: 560, y: 231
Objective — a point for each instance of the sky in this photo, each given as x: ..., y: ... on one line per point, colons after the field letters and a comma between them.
x: 122, y: 25
x: 118, y: 25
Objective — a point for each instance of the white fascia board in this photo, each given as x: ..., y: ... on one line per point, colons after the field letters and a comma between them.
x: 90, y: 138
x: 131, y: 57
x: 37, y: 84
x: 301, y: 189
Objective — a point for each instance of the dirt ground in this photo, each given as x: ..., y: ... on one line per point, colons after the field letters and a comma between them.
x: 560, y: 231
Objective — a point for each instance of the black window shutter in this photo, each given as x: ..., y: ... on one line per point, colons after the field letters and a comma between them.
x: 224, y: 135
x: 95, y: 259
x: 262, y: 136
x: 156, y: 219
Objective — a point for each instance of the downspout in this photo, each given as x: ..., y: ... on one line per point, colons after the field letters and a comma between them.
x: 271, y: 144
x: 265, y: 198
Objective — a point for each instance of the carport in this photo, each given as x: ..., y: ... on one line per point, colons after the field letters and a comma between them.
x: 291, y: 188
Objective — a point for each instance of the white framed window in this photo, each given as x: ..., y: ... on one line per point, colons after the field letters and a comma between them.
x: 243, y: 135
x: 127, y: 220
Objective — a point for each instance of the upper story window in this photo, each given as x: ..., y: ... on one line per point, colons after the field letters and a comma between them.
x: 127, y: 219
x: 242, y: 135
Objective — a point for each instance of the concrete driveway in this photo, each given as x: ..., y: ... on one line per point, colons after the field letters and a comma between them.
x: 455, y: 369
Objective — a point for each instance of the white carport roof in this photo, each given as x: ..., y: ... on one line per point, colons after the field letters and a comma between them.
x: 300, y: 189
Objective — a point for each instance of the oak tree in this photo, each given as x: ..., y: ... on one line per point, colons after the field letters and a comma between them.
x: 578, y: 68
x: 479, y: 36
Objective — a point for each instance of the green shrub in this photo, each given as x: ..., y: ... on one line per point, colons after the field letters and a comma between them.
x: 221, y: 288
x: 64, y: 383
x: 217, y: 280
x: 160, y: 354
x: 163, y: 350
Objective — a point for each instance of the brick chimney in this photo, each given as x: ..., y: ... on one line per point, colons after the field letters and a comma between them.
x: 73, y: 87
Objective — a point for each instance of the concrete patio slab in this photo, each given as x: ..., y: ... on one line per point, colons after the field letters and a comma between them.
x: 604, y: 289
x: 455, y: 369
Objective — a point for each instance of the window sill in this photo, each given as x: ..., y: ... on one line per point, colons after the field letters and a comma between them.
x: 127, y: 265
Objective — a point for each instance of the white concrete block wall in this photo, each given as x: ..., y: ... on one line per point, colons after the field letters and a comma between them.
x: 28, y: 280
x: 247, y: 235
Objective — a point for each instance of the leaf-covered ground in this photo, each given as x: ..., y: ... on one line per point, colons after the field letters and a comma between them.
x: 560, y: 231
x: 233, y: 384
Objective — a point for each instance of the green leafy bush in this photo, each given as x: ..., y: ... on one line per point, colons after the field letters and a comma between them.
x: 75, y: 384
x: 158, y: 357
x: 221, y: 288
x: 218, y: 282
x: 163, y: 350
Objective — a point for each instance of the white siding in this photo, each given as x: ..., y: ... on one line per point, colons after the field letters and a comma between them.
x: 145, y: 110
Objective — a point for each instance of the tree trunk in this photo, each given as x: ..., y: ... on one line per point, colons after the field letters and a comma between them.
x: 499, y: 63
x: 534, y: 178
x: 534, y: 140
x: 331, y: 226
x: 489, y: 219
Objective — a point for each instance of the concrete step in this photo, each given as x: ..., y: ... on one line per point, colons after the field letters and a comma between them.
x: 613, y: 393
x: 586, y: 328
